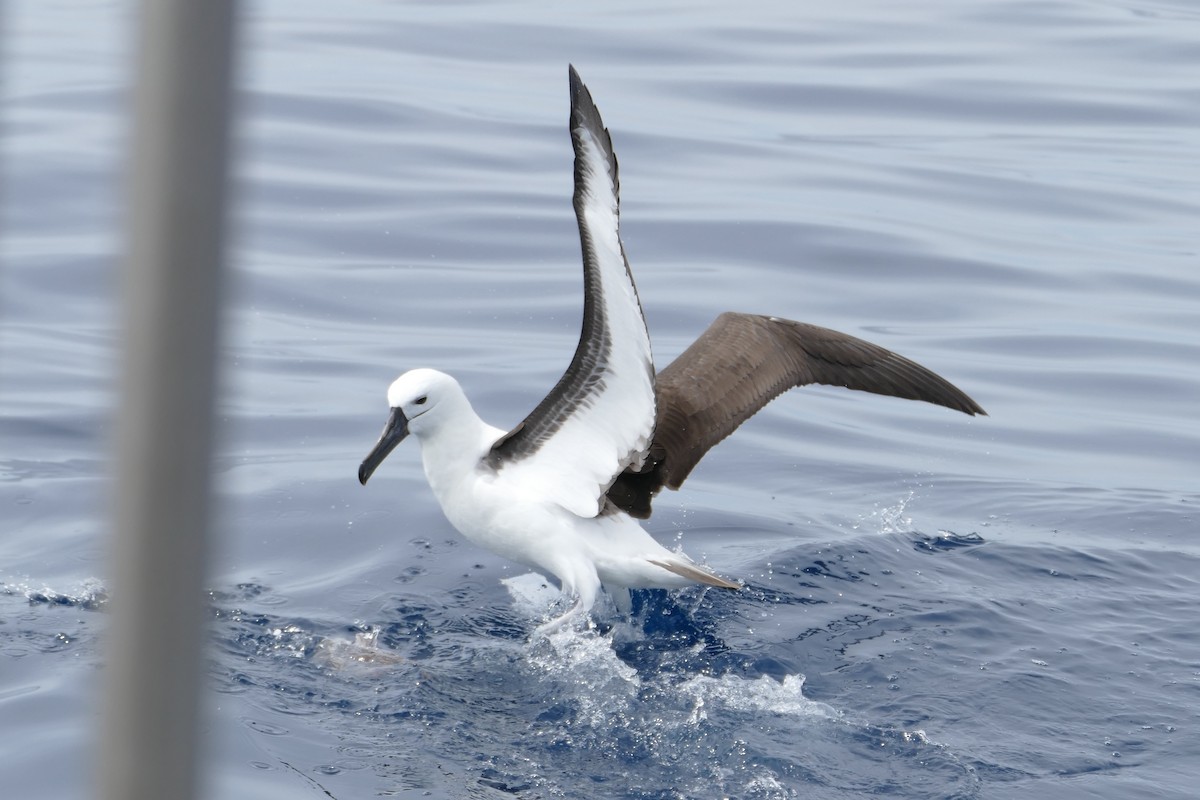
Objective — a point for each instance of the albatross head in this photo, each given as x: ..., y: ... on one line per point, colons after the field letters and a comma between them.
x: 414, y: 398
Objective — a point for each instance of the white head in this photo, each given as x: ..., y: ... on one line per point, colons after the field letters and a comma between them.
x: 419, y: 401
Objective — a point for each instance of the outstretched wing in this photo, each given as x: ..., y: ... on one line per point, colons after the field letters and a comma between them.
x: 741, y: 363
x: 599, y: 418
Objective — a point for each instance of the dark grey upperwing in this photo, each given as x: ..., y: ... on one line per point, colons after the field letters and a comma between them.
x: 598, y: 418
x: 741, y: 363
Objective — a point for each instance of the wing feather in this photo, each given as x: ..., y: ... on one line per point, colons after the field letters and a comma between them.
x: 741, y: 363
x: 598, y: 419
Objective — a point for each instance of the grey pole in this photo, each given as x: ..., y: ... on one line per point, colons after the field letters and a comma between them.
x: 171, y: 286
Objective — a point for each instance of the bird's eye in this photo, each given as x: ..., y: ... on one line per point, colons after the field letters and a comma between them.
x: 421, y: 400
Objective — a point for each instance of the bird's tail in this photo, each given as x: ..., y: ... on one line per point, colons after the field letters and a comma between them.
x: 695, y: 572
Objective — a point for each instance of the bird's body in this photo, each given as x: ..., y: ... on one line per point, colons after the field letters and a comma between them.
x: 507, y: 511
x: 561, y: 492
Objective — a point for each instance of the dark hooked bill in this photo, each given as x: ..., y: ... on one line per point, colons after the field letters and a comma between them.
x: 393, y: 434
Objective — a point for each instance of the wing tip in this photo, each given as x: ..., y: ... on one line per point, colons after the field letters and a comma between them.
x: 584, y: 113
x: 951, y: 396
x: 915, y: 381
x: 582, y: 104
x: 975, y: 410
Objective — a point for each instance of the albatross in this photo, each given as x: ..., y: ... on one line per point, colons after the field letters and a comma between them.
x: 563, y: 491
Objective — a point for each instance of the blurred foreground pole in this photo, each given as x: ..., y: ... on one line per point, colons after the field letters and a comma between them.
x: 171, y: 282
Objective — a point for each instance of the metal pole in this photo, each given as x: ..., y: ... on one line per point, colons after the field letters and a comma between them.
x: 171, y: 285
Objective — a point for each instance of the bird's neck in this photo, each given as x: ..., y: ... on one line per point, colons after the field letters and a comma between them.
x: 452, y: 453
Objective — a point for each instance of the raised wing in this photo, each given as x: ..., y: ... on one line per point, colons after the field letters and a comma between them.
x: 599, y: 418
x: 740, y: 364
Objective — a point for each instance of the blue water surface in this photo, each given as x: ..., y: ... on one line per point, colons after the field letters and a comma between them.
x: 935, y: 605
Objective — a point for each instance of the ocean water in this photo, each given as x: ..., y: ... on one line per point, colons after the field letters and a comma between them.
x: 935, y: 605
